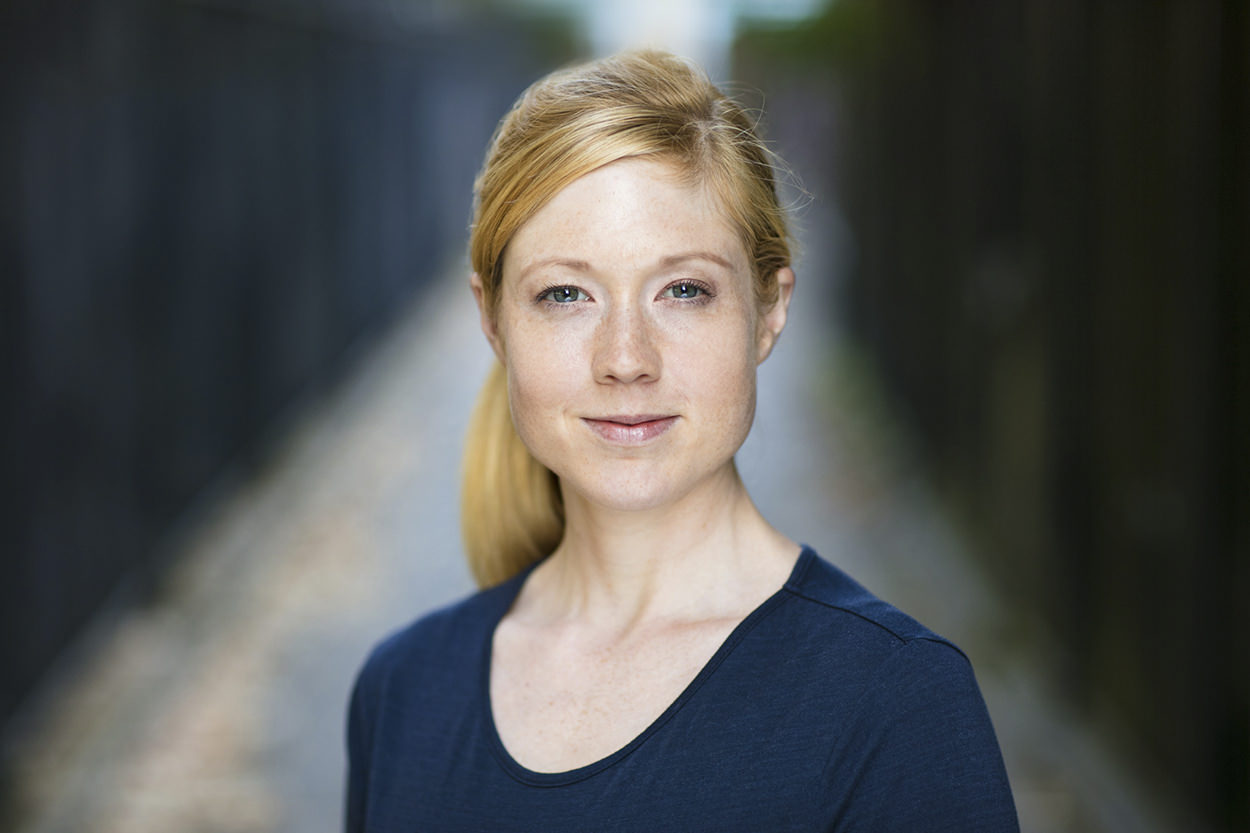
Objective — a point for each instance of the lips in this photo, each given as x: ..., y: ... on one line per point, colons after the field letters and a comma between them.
x: 631, y: 429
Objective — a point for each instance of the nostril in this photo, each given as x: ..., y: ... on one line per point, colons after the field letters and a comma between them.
x: 627, y: 354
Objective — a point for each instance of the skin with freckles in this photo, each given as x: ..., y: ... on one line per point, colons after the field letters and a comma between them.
x: 630, y: 333
x: 628, y: 296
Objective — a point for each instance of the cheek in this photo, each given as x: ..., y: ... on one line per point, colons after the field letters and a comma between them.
x: 532, y: 392
x: 735, y: 395
x: 543, y: 375
x: 719, y: 368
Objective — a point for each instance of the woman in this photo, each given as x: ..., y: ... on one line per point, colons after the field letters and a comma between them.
x: 648, y: 652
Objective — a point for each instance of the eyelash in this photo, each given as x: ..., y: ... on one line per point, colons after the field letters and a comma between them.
x: 544, y: 296
x: 705, y: 292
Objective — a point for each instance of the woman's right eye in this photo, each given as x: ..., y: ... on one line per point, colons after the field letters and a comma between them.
x: 562, y: 294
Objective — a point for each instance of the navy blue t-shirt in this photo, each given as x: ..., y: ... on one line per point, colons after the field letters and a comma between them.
x: 825, y: 709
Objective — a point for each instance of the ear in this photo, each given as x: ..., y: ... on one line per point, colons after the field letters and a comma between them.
x: 486, y: 319
x: 773, y: 321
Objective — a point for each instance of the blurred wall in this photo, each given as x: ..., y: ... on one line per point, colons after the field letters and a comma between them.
x: 203, y: 206
x: 1049, y: 206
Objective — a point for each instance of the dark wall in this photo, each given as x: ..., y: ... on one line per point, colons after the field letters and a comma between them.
x: 1049, y: 205
x: 203, y: 208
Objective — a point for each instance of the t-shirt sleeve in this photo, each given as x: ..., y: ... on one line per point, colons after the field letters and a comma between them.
x: 922, y: 755
x: 359, y: 744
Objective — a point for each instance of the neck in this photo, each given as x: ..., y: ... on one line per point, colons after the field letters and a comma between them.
x: 707, y: 554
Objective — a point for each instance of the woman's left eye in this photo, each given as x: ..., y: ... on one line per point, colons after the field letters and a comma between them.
x: 685, y: 290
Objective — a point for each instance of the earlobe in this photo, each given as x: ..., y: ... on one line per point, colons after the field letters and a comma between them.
x: 773, y: 321
x: 486, y: 319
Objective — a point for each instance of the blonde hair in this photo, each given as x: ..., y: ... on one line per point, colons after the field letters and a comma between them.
x: 563, y: 127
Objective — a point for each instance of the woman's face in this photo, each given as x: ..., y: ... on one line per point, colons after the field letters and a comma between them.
x: 627, y: 324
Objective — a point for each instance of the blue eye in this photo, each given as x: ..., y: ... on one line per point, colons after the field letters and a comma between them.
x: 685, y: 290
x: 562, y: 294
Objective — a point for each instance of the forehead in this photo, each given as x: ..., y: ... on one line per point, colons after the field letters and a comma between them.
x: 628, y: 214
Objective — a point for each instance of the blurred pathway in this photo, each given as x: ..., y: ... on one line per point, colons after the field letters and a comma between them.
x: 219, y: 707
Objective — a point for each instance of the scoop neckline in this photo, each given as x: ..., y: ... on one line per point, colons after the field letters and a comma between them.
x: 525, y: 775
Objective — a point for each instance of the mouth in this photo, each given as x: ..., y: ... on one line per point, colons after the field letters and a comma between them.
x: 631, y: 429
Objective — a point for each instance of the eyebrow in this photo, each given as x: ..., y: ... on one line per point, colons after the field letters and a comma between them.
x: 568, y: 263
x: 677, y: 260
x: 666, y: 262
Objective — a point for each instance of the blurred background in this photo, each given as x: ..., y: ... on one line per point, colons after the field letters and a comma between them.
x: 237, y: 356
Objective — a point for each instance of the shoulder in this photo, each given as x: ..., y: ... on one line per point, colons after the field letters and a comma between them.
x: 914, y: 739
x: 837, y: 608
x: 869, y: 659
x: 439, y: 647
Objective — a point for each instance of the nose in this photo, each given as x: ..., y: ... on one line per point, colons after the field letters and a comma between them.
x: 626, y: 348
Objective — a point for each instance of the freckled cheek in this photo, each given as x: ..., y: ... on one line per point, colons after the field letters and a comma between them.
x: 544, y: 376
x: 720, y: 374
x: 735, y: 397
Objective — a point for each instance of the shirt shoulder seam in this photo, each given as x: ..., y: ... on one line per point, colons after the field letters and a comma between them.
x: 903, y: 638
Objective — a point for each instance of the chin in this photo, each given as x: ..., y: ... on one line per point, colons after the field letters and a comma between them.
x: 633, y: 491
x: 627, y: 500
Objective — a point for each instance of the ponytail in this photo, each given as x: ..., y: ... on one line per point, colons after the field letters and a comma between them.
x: 511, y: 512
